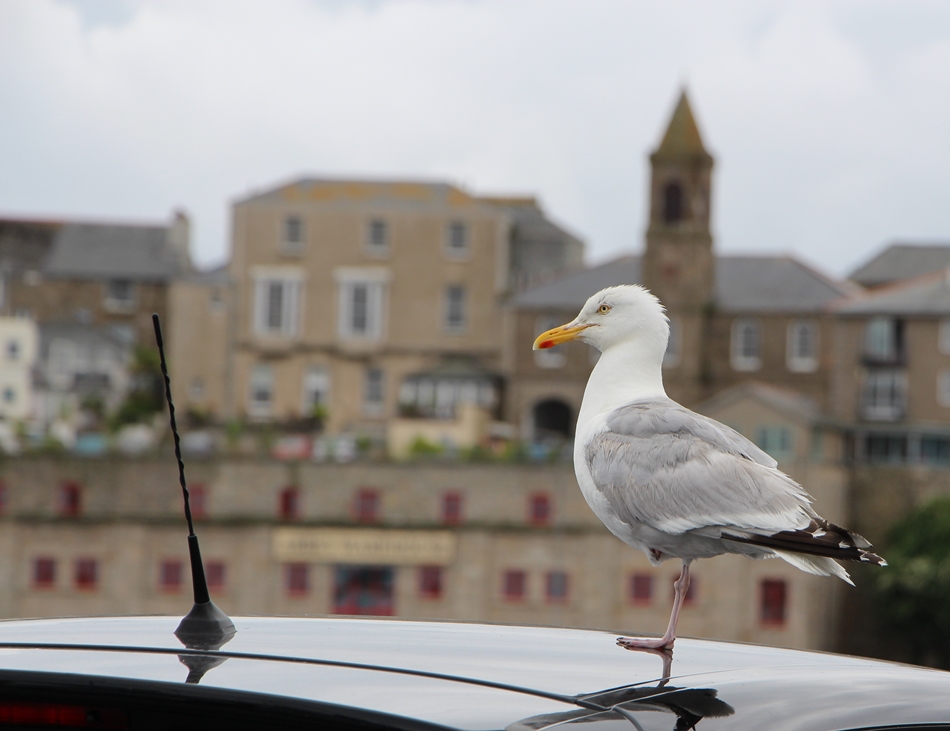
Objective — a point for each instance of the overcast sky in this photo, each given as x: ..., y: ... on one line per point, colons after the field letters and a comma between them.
x: 829, y: 121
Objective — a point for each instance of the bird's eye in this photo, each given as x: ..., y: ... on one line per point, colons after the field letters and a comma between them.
x: 603, y: 309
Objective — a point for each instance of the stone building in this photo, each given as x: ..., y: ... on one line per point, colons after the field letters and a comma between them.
x: 507, y: 543
x: 356, y: 297
x: 91, y: 273
x: 892, y: 368
x: 733, y: 318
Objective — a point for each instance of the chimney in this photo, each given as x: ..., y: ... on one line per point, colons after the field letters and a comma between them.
x: 179, y: 237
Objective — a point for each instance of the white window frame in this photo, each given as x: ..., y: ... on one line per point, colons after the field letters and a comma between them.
x: 549, y: 357
x: 674, y: 348
x: 261, y: 377
x: 458, y: 252
x: 943, y: 387
x: 943, y: 336
x: 450, y: 309
x: 742, y: 361
x: 884, y: 395
x: 290, y: 282
x: 375, y: 280
x: 316, y: 380
x: 374, y: 406
x: 372, y: 248
x: 796, y: 361
x: 887, y: 327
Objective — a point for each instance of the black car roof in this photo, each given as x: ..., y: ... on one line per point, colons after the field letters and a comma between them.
x: 472, y: 676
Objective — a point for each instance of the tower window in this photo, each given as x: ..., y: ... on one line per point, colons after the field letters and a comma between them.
x: 672, y: 203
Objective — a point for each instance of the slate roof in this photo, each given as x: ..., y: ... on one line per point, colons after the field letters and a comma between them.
x: 743, y: 284
x: 902, y: 261
x: 106, y: 251
x: 393, y: 193
x: 772, y: 284
x: 926, y: 295
x: 572, y: 290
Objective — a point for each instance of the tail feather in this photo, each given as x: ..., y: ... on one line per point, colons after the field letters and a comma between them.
x: 820, y: 539
x: 818, y: 565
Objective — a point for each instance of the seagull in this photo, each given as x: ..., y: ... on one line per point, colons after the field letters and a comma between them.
x: 673, y: 483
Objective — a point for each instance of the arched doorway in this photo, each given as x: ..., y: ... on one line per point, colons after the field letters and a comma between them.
x: 552, y: 419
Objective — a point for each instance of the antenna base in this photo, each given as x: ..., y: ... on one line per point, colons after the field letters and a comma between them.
x: 205, y: 627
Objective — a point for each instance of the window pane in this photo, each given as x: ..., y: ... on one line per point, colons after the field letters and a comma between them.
x: 359, y: 313
x: 774, y: 595
x: 454, y: 307
x: 293, y: 230
x: 170, y: 575
x: 641, y: 588
x: 275, y: 305
x: 458, y: 237
x: 452, y: 508
x: 87, y: 573
x: 539, y: 509
x: 374, y: 389
x: 430, y: 582
x: 378, y: 238
x: 364, y: 590
x: 296, y: 578
x: 44, y: 573
x: 513, y: 584
x: 556, y: 585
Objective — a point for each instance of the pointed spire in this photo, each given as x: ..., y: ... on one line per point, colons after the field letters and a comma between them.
x: 682, y: 137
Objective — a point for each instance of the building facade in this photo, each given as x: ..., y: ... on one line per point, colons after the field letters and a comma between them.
x: 360, y: 301
x: 477, y: 542
x: 733, y: 319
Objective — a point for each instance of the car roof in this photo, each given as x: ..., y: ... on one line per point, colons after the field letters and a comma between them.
x: 483, y: 676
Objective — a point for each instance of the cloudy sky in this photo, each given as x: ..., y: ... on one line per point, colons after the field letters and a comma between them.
x: 830, y: 121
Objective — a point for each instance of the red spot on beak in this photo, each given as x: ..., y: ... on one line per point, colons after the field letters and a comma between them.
x: 546, y: 344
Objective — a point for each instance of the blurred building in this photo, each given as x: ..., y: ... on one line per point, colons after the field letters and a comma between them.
x: 506, y: 543
x: 733, y: 319
x: 91, y: 273
x: 18, y: 354
x: 366, y: 300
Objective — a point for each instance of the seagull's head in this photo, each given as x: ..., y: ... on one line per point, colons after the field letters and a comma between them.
x: 628, y: 313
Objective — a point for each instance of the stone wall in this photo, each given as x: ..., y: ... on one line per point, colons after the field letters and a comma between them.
x: 130, y: 523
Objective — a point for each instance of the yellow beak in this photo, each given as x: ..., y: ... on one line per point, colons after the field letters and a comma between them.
x: 558, y: 335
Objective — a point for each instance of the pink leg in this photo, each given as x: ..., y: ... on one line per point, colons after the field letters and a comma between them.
x: 680, y: 587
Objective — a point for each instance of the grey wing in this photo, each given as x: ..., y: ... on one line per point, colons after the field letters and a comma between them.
x: 666, y: 466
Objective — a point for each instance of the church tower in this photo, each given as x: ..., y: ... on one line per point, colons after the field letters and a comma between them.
x: 678, y: 265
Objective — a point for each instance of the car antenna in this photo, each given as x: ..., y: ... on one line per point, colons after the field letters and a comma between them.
x: 205, y: 627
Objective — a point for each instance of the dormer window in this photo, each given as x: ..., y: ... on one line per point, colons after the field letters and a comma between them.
x: 672, y: 203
